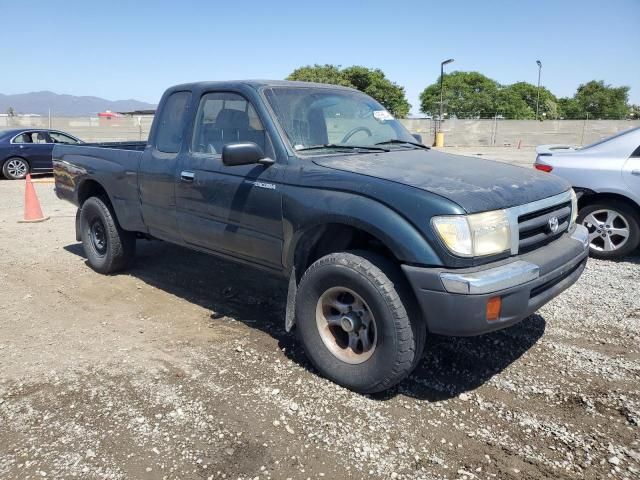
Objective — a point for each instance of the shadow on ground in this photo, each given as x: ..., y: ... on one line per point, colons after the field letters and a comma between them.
x: 450, y: 365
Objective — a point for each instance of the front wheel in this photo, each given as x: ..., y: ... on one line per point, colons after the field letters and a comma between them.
x: 614, y: 229
x: 352, y: 319
x: 108, y: 248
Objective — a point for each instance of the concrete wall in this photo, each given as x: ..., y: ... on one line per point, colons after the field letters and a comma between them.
x: 458, y: 133
x: 509, y: 132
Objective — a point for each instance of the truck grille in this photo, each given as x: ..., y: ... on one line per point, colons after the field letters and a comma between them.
x: 534, y: 229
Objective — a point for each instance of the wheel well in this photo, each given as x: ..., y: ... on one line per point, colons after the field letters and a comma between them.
x: 594, y: 197
x: 335, y: 237
x: 91, y: 188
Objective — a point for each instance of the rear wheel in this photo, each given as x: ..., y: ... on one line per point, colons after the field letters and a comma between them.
x: 15, y: 168
x: 614, y: 229
x: 352, y: 317
x: 108, y: 248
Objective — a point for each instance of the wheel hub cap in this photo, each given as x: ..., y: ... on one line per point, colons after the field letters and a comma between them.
x: 346, y: 325
x: 17, y: 168
x: 608, y: 230
x: 98, y: 237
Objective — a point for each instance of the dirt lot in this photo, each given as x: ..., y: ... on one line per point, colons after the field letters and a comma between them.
x: 181, y: 369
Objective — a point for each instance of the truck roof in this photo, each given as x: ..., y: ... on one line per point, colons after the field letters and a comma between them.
x: 255, y: 84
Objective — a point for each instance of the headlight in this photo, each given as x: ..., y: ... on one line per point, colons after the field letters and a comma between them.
x: 574, y: 207
x: 475, y: 235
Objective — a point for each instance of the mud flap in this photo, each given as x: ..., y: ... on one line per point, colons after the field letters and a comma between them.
x: 290, y: 319
x: 78, y: 238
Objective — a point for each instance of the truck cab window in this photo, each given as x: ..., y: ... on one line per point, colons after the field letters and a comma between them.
x: 223, y: 118
x: 171, y: 122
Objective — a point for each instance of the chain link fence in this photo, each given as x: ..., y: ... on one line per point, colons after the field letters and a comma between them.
x: 458, y: 132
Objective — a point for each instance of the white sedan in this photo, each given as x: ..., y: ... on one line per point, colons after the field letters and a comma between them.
x: 606, y: 178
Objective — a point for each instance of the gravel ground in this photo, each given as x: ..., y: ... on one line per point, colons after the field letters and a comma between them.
x: 181, y: 369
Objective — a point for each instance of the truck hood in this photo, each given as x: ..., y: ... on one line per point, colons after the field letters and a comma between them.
x: 477, y: 185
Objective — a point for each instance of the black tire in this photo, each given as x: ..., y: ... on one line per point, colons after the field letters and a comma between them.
x: 108, y: 248
x: 380, y: 283
x: 10, y: 172
x: 628, y: 214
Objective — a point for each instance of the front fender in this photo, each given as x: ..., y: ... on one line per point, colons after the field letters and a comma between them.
x: 307, y: 208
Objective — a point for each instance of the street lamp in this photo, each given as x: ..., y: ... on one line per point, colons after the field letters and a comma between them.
x: 442, y: 64
x: 539, y: 63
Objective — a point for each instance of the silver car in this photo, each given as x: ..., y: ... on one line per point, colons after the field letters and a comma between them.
x: 606, y: 178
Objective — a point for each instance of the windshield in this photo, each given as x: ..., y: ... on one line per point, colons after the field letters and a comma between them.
x: 608, y: 139
x: 316, y: 117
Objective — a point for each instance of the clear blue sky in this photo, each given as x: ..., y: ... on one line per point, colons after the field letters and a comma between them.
x: 121, y: 49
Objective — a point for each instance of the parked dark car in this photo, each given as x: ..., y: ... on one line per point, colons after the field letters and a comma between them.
x: 380, y: 238
x: 28, y: 150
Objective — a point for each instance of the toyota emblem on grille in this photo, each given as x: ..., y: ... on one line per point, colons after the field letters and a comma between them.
x: 553, y: 224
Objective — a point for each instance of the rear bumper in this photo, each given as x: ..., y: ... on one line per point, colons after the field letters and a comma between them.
x: 453, y: 302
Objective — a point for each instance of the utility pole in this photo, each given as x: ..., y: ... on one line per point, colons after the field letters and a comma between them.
x: 539, y: 63
x: 442, y: 64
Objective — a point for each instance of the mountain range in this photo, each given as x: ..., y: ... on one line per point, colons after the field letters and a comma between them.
x: 66, y: 105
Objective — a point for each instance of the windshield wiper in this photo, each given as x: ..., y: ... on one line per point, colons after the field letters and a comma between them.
x: 343, y: 146
x: 396, y: 141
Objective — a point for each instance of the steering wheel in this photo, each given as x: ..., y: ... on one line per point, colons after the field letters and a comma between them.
x: 352, y: 132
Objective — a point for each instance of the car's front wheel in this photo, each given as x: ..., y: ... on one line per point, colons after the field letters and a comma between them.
x: 614, y: 229
x: 15, y: 168
x: 353, y: 319
x: 108, y: 247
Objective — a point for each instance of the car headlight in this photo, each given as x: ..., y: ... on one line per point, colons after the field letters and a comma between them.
x: 574, y: 207
x: 475, y: 235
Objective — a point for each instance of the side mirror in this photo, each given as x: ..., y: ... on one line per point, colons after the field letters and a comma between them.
x: 418, y: 137
x: 243, y: 153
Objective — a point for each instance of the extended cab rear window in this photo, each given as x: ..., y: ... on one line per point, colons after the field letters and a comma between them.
x: 171, y: 122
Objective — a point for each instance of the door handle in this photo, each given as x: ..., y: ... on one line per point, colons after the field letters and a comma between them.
x: 186, y: 176
x: 635, y: 172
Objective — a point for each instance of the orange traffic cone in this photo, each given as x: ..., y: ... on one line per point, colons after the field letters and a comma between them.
x: 32, y: 210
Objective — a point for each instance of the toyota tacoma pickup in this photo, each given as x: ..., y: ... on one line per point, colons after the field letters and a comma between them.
x: 382, y: 239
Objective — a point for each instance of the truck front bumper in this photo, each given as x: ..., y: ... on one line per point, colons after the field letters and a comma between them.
x: 454, y: 302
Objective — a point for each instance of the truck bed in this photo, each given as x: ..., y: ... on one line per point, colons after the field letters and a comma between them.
x: 111, y: 165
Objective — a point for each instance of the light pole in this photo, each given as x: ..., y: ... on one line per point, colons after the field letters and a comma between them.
x: 442, y: 64
x: 539, y: 63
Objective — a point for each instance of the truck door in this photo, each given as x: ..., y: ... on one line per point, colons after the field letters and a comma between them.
x: 235, y: 211
x: 158, y: 168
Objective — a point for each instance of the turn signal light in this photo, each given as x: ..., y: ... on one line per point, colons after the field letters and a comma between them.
x: 494, y: 304
x: 543, y: 168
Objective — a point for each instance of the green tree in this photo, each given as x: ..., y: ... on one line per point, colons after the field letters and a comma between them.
x: 373, y: 82
x: 466, y: 95
x: 524, y: 92
x: 320, y: 74
x: 634, y: 112
x: 569, y: 108
x: 596, y: 99
x: 510, y: 104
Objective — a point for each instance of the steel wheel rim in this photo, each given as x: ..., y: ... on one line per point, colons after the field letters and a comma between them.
x: 17, y: 168
x: 608, y: 230
x: 98, y: 236
x: 346, y: 325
